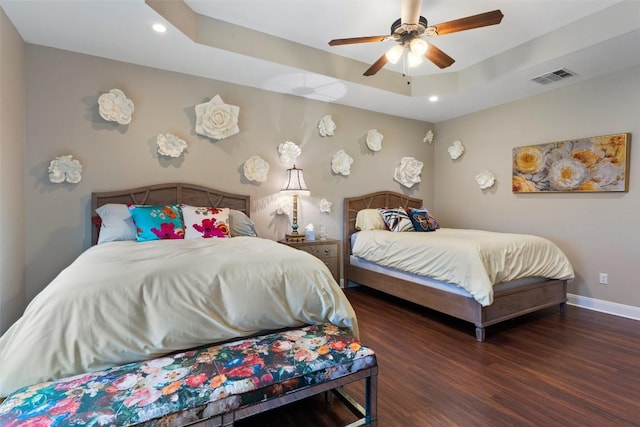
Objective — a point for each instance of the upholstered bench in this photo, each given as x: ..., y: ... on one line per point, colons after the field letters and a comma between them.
x: 212, y: 386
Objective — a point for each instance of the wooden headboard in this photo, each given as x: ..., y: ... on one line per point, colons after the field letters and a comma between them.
x: 162, y: 194
x: 380, y: 199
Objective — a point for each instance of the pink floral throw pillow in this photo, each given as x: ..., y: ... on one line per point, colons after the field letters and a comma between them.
x: 205, y: 222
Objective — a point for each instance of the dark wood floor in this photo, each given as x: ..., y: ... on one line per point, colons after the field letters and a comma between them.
x: 543, y: 369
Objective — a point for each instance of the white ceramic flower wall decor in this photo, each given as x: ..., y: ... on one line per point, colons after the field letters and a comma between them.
x: 374, y: 140
x: 456, y: 150
x: 114, y: 106
x: 408, y: 171
x: 170, y: 145
x: 217, y: 120
x: 325, y: 206
x: 341, y: 163
x: 428, y: 137
x: 288, y: 152
x: 65, y: 168
x: 485, y: 179
x: 326, y: 126
x: 256, y: 169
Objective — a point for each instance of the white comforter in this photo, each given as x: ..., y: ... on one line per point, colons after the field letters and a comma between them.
x: 126, y: 301
x: 472, y: 259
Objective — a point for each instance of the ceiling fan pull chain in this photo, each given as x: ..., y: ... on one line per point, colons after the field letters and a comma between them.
x: 405, y: 64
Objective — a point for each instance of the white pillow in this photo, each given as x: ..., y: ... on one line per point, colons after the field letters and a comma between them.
x: 117, y: 223
x: 241, y: 225
x: 370, y: 219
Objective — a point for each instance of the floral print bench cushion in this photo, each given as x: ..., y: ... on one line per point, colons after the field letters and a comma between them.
x: 191, y: 385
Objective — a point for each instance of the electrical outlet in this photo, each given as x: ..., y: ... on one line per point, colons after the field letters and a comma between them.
x: 604, y: 279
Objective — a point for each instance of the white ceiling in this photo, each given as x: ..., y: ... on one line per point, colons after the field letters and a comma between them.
x: 493, y: 64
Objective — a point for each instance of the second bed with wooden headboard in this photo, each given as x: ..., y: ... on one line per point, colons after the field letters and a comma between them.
x: 509, y: 300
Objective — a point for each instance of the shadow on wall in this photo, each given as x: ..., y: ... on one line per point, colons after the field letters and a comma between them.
x: 11, y: 308
x: 278, y: 224
x: 61, y: 249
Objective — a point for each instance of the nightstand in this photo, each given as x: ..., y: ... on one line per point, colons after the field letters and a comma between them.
x: 327, y: 251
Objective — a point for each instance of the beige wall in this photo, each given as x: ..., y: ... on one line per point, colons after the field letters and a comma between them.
x: 598, y: 231
x: 12, y: 124
x: 62, y: 118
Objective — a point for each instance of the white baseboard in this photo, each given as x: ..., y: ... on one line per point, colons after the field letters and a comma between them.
x: 622, y: 310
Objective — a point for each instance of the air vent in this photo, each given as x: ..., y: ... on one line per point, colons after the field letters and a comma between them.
x: 554, y: 76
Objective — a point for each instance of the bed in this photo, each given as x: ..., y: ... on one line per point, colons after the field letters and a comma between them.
x: 125, y: 301
x: 507, y: 300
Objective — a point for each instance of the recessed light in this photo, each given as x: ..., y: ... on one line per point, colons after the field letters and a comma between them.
x: 159, y: 28
x: 433, y: 98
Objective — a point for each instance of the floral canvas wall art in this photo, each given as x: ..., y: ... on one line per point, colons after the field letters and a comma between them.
x: 594, y: 164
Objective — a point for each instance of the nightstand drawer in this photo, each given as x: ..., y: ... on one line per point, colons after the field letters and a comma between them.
x: 327, y: 251
x: 321, y: 251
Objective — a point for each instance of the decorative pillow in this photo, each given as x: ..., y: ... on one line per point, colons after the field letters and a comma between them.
x: 205, y: 222
x: 241, y: 225
x: 370, y: 219
x: 396, y: 219
x: 422, y: 220
x: 434, y: 222
x: 116, y: 223
x: 157, y: 222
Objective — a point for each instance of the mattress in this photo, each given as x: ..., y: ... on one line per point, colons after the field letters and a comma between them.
x: 451, y: 288
x: 474, y: 260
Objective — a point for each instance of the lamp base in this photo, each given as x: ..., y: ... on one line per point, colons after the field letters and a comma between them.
x: 295, y: 237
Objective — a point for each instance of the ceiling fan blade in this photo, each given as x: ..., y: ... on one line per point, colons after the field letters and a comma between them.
x: 353, y: 40
x: 476, y: 21
x: 410, y: 11
x: 377, y: 66
x: 438, y: 57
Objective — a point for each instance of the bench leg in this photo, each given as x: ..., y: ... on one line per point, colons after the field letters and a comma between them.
x: 479, y: 334
x: 372, y: 398
x: 369, y: 412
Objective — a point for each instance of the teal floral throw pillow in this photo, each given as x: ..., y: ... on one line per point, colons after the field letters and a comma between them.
x: 157, y: 222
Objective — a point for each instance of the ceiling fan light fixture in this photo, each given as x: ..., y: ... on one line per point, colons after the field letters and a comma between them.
x: 410, y: 29
x: 413, y: 60
x: 418, y: 46
x: 394, y: 54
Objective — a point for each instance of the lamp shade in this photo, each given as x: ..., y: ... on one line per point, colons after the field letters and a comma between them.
x: 394, y: 54
x: 413, y: 60
x: 418, y: 46
x: 294, y: 183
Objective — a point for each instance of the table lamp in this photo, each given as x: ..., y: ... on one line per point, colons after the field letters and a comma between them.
x: 295, y: 186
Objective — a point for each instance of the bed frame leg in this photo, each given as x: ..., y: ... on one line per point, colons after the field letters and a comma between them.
x: 479, y: 334
x: 563, y: 307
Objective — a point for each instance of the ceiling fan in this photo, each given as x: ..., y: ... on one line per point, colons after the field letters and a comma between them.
x: 409, y: 30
